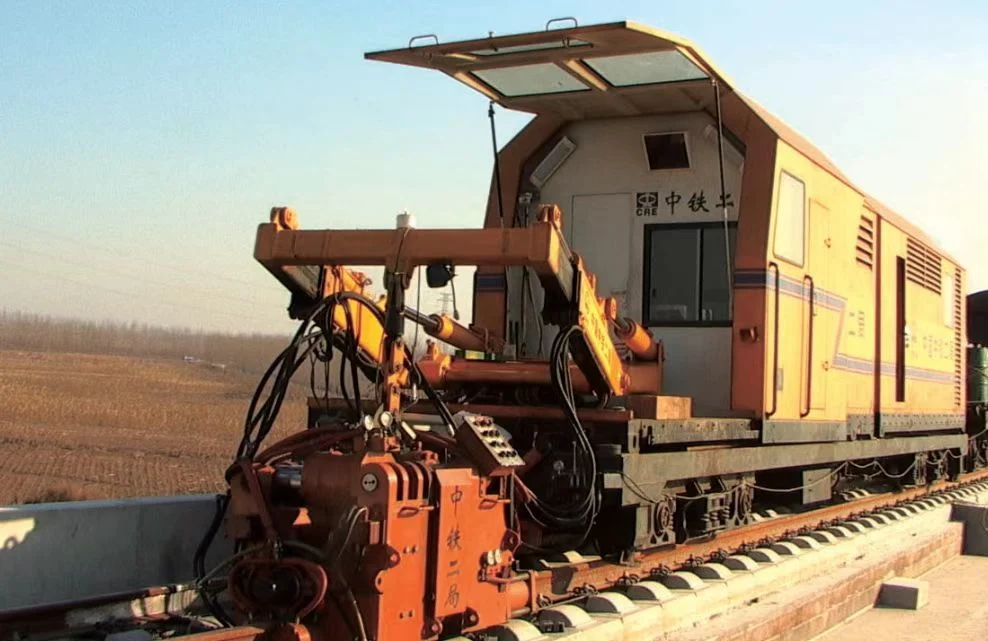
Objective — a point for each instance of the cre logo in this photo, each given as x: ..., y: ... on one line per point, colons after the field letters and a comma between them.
x: 647, y: 203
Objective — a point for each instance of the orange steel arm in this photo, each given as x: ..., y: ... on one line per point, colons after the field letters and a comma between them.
x: 366, y: 327
x: 570, y: 298
x: 280, y: 245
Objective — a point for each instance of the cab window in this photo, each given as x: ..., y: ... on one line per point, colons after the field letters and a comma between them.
x: 686, y: 275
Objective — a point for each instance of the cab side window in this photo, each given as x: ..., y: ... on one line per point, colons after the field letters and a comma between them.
x: 790, y: 220
x: 686, y: 274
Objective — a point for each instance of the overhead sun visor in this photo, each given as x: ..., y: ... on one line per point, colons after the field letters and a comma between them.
x: 618, y: 68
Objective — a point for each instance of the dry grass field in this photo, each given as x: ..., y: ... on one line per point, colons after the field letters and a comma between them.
x: 99, y: 426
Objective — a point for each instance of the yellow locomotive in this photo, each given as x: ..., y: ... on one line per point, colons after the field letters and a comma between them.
x: 682, y: 312
x: 795, y: 310
x: 846, y: 321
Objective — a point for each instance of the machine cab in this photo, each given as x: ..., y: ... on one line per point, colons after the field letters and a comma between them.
x: 631, y: 137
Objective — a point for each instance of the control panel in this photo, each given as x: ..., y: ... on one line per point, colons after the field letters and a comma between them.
x: 485, y: 442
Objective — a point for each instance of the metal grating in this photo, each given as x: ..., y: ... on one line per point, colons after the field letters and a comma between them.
x: 958, y: 342
x: 923, y: 265
x: 865, y: 249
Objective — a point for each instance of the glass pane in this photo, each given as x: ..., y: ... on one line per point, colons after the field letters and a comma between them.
x: 528, y: 80
x: 538, y: 46
x: 672, y: 279
x: 715, y: 295
x: 645, y: 68
x: 790, y: 215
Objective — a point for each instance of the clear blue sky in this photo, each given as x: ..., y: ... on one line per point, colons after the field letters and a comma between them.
x: 141, y: 142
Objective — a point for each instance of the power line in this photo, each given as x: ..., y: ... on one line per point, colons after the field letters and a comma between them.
x: 144, y: 259
x: 129, y: 295
x: 123, y: 274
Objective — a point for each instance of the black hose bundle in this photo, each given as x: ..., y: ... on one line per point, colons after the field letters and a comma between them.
x: 581, y: 512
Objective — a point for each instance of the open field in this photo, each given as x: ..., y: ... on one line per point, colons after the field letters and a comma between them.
x: 98, y: 426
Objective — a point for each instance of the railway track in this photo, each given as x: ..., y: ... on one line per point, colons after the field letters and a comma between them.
x: 600, y: 575
x: 558, y: 583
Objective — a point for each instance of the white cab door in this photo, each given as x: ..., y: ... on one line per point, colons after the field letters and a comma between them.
x: 599, y: 230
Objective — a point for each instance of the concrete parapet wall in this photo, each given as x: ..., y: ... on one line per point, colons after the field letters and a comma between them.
x: 790, y: 591
x: 65, y: 551
x: 809, y: 609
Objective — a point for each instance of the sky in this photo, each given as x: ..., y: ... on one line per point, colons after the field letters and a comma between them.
x: 142, y: 142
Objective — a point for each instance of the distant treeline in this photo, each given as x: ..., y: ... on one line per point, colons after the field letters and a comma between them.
x: 31, y: 332
x: 250, y: 353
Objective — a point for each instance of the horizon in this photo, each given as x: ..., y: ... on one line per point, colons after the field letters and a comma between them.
x: 146, y: 142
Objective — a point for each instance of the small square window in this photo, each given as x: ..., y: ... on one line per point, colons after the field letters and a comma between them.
x: 667, y: 151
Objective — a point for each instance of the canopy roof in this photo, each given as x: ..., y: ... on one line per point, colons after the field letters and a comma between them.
x: 620, y: 68
x: 604, y: 70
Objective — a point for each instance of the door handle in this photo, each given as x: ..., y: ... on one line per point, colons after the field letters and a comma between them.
x: 809, y: 357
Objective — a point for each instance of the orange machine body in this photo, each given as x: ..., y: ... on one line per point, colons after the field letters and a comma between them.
x: 417, y: 524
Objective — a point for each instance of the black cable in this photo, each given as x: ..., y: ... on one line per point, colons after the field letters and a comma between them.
x: 285, y: 366
x: 264, y: 421
x: 497, y: 163
x: 255, y: 416
x: 352, y: 338
x: 452, y: 289
x: 199, y: 561
x: 723, y: 195
x: 261, y: 420
x: 527, y: 284
x: 418, y: 306
x: 585, y: 511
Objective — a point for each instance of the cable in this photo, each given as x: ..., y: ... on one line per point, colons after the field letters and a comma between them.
x: 418, y: 305
x: 143, y: 260
x: 527, y: 284
x: 584, y: 511
x: 199, y: 561
x: 452, y: 289
x: 260, y: 420
x: 886, y: 473
x: 723, y: 197
x: 351, y: 342
x: 236, y: 557
x: 142, y: 297
x: 497, y: 163
x: 138, y: 277
x: 833, y: 473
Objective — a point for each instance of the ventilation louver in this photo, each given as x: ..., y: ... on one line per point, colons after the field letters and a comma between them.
x: 958, y: 342
x: 865, y: 250
x: 922, y: 265
x: 553, y: 160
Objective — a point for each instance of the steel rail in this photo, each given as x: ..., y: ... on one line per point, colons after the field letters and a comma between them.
x: 561, y: 583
